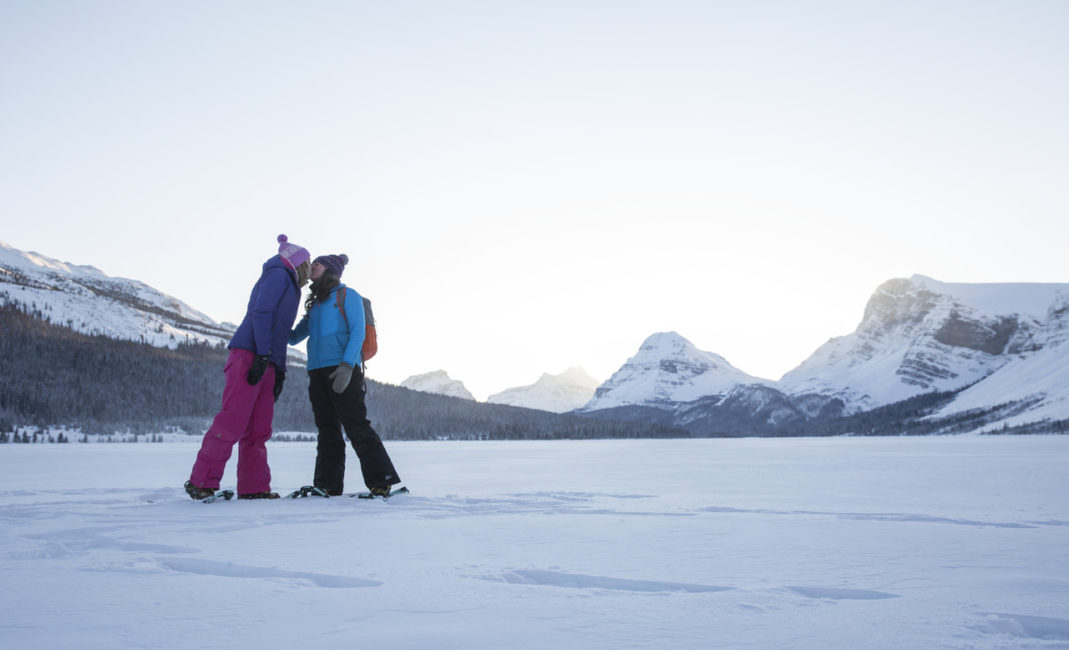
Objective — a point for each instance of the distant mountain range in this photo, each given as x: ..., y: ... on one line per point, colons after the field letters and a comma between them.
x: 552, y: 393
x: 928, y: 357
x: 956, y: 357
x: 561, y: 393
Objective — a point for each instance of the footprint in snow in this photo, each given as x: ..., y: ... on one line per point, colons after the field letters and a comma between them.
x: 231, y: 570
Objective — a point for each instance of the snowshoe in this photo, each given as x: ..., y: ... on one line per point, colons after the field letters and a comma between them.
x: 381, y: 493
x: 259, y: 495
x: 308, y: 491
x: 225, y: 495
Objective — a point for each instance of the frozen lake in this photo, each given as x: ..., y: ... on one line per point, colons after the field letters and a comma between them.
x: 951, y: 542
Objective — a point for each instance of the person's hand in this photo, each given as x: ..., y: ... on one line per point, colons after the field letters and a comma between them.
x: 256, y: 372
x: 280, y: 378
x: 341, y: 376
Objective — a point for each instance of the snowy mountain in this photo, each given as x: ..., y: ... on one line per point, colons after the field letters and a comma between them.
x: 919, y: 335
x: 1032, y: 385
x: 667, y: 370
x: 439, y: 383
x: 87, y: 300
x: 555, y: 393
x: 670, y: 382
x: 977, y: 356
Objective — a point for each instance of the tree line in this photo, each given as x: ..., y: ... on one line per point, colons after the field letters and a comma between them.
x: 55, y: 376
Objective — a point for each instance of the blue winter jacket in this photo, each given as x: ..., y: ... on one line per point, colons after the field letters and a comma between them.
x: 330, y: 341
x: 272, y: 309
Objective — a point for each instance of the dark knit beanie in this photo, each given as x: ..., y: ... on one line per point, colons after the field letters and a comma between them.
x: 334, y: 263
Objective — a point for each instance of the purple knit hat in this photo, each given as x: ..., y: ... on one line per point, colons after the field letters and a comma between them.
x: 293, y: 254
x: 334, y: 263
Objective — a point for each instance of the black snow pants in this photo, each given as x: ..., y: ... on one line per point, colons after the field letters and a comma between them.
x: 332, y: 411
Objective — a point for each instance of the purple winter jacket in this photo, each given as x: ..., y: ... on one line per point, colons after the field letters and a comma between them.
x: 272, y: 309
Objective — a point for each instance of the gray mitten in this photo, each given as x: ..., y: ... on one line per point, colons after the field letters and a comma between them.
x: 341, y: 376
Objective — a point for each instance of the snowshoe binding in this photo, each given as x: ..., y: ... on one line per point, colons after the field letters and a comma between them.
x: 198, y: 493
x: 207, y: 495
x: 308, y: 491
x: 384, y: 492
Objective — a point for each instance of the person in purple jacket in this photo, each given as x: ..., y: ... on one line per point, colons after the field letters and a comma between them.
x: 255, y: 371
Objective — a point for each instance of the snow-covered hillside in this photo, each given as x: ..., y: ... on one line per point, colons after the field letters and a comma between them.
x: 440, y: 383
x: 555, y: 393
x: 668, y: 369
x: 1035, y: 382
x: 919, y: 335
x: 88, y: 300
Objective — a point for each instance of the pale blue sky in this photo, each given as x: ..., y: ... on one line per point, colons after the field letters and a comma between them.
x: 527, y: 186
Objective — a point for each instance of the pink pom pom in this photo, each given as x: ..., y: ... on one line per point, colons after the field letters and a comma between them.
x: 282, y: 239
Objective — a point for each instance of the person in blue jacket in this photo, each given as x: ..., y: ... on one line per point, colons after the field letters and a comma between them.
x: 255, y: 371
x: 336, y: 384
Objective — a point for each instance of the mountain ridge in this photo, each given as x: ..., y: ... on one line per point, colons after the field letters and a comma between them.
x: 438, y: 382
x: 918, y: 337
x: 559, y: 393
x: 89, y: 301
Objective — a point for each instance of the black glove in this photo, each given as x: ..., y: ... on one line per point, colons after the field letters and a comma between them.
x: 256, y: 372
x: 280, y: 378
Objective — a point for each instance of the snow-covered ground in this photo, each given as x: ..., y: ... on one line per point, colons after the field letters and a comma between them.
x: 958, y: 542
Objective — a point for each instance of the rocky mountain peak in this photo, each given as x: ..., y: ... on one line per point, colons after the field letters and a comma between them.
x: 668, y: 368
x: 899, y: 302
x: 438, y: 382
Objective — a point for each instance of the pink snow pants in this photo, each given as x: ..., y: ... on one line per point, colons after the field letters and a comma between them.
x: 245, y: 419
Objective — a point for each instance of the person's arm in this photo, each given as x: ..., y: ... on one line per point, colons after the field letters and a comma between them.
x: 269, y: 292
x: 300, y: 332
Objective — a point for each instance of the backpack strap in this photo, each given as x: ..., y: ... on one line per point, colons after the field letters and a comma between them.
x: 341, y: 305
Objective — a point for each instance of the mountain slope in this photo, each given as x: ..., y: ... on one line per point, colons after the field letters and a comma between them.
x: 555, y: 393
x: 919, y: 335
x: 89, y: 301
x: 1035, y: 382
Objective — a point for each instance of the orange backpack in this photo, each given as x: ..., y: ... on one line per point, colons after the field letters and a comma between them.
x: 371, y: 343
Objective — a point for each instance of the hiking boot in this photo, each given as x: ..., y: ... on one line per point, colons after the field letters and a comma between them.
x: 383, y: 491
x: 259, y: 495
x: 198, y: 493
